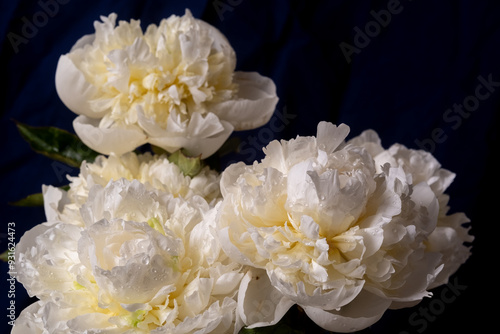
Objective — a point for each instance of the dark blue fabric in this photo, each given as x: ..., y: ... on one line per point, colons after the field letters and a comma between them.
x: 422, y: 73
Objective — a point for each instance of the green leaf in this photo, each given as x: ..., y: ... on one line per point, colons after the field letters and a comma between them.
x: 190, y: 166
x: 5, y: 256
x: 158, y: 150
x: 33, y: 199
x: 30, y: 200
x: 57, y: 144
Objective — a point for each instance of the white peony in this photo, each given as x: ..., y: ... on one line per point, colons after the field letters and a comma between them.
x: 144, y: 262
x: 324, y: 225
x: 173, y: 86
x: 449, y: 235
x: 155, y: 171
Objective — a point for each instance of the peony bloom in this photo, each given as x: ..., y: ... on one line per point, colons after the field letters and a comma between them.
x: 173, y: 86
x: 143, y: 262
x: 337, y: 228
x: 448, y: 236
x: 155, y: 171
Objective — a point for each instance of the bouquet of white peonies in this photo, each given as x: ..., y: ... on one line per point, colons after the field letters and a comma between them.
x: 157, y: 241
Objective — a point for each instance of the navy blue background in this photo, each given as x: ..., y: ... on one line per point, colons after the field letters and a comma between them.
x: 406, y: 77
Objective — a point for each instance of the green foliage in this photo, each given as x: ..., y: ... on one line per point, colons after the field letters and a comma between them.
x: 190, y: 166
x: 57, y: 144
x: 30, y: 200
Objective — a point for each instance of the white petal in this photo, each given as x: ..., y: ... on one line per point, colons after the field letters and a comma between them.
x: 423, y: 196
x: 220, y: 42
x: 44, y: 256
x: 207, y: 126
x: 54, y: 200
x: 423, y: 271
x: 370, y: 140
x: 73, y: 89
x: 198, y: 140
x: 372, y: 239
x: 259, y: 303
x: 143, y: 266
x: 29, y: 321
x: 254, y: 105
x: 91, y: 323
x: 331, y: 136
x: 195, y: 296
x: 84, y: 40
x: 149, y: 125
x: 215, y: 319
x: 117, y: 140
x: 362, y: 312
x: 27, y: 274
x: 227, y: 283
x: 327, y: 299
x: 309, y: 227
x: 230, y: 249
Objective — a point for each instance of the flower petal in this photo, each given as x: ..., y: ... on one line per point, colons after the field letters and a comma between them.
x: 326, y: 299
x: 363, y: 311
x: 84, y: 40
x: 423, y: 196
x: 54, y: 200
x: 91, y: 322
x: 73, y: 89
x: 254, y: 104
x: 259, y: 303
x: 204, y: 137
x: 330, y: 136
x: 220, y: 42
x: 117, y: 140
x: 29, y: 321
x: 370, y: 140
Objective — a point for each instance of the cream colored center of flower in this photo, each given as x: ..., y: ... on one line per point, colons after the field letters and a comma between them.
x: 159, y: 85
